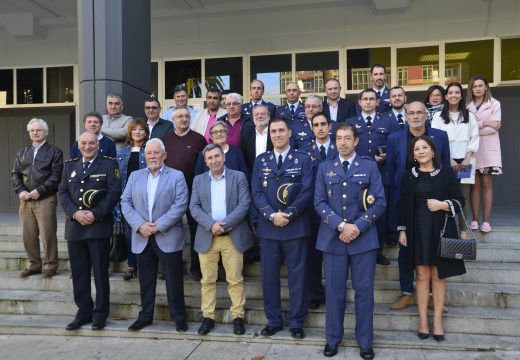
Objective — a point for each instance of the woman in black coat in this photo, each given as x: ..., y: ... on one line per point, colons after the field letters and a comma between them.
x: 428, y: 193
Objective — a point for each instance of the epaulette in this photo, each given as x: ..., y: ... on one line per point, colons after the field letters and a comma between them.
x: 73, y: 159
x: 109, y: 157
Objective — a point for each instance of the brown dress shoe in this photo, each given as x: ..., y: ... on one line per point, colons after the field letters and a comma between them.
x: 29, y: 272
x: 48, y: 273
x: 430, y: 305
x: 403, y: 302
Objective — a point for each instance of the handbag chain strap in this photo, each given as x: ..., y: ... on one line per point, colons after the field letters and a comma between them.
x: 457, y: 225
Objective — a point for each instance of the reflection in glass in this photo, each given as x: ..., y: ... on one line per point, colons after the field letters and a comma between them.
x: 313, y: 69
x: 154, y: 73
x: 6, y: 87
x: 185, y: 72
x: 273, y: 70
x: 418, y: 66
x: 510, y: 59
x: 224, y: 74
x: 29, y: 83
x: 359, y: 62
x: 60, y: 84
x: 465, y: 59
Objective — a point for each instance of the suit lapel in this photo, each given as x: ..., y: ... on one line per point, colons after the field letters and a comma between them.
x: 229, y: 186
x: 206, y: 195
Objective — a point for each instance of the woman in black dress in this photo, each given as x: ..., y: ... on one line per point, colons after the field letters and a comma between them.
x: 428, y: 193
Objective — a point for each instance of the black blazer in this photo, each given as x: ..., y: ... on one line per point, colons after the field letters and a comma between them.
x: 248, y: 144
x: 445, y: 186
x: 346, y: 109
x: 161, y: 128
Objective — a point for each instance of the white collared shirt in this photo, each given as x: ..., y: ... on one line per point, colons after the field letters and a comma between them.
x: 218, y: 196
x: 261, y: 141
x: 284, y: 154
x: 333, y: 110
x: 151, y: 188
x: 372, y: 116
x: 36, y: 148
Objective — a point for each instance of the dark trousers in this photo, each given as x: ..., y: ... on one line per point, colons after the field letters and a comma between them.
x: 171, y: 264
x: 405, y: 270
x: 314, y: 263
x: 132, y: 259
x: 294, y: 251
x: 85, y: 256
x: 192, y: 225
x: 382, y: 225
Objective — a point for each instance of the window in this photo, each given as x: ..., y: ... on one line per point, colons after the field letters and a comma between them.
x: 313, y: 69
x: 185, y: 72
x: 60, y: 84
x: 224, y: 74
x: 359, y: 62
x: 465, y: 59
x: 421, y: 65
x: 6, y: 87
x: 510, y: 56
x: 29, y: 83
x: 275, y: 71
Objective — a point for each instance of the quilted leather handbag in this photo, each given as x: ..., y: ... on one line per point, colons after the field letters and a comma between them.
x: 451, y: 248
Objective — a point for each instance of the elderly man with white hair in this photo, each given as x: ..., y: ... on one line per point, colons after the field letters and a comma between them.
x: 234, y: 118
x: 36, y: 176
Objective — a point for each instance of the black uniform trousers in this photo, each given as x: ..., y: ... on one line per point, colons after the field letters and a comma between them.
x: 314, y: 263
x: 171, y: 263
x: 85, y: 256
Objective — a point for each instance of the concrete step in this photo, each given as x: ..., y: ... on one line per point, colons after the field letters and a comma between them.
x: 471, y: 320
x: 458, y: 294
x: 55, y: 325
x: 15, y: 243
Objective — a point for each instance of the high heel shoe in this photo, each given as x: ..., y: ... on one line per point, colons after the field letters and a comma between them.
x: 423, y: 336
x: 129, y: 274
x: 439, y: 338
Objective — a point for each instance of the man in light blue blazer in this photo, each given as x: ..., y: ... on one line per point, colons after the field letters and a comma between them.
x: 154, y: 202
x: 220, y: 203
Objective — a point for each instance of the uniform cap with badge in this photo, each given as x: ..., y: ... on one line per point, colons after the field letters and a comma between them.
x: 366, y: 199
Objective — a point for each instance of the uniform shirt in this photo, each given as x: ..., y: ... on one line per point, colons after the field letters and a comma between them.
x: 284, y: 154
x: 218, y: 196
x: 350, y: 159
x: 325, y: 145
x: 372, y: 116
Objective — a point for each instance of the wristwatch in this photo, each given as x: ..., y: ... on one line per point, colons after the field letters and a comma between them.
x: 271, y: 217
x: 341, y: 226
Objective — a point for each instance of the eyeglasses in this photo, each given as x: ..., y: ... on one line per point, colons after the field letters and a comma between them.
x: 218, y: 132
x: 151, y: 107
x: 232, y: 104
x: 312, y: 106
x: 414, y: 113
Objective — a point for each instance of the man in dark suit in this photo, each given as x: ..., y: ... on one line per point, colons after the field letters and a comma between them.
x: 89, y: 190
x: 93, y: 121
x: 153, y: 203
x: 219, y: 203
x: 349, y: 198
x: 398, y: 111
x: 282, y: 187
x: 398, y: 161
x: 257, y: 91
x: 158, y: 127
x: 335, y: 107
x: 254, y: 136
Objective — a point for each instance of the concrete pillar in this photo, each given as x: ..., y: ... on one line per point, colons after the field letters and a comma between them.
x: 114, y: 54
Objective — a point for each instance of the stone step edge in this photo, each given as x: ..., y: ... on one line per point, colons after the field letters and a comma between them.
x: 55, y: 325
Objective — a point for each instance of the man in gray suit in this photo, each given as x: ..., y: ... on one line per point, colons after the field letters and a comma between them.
x: 219, y: 203
x: 154, y: 202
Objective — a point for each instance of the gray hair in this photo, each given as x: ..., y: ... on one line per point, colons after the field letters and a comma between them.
x: 217, y: 123
x: 116, y: 96
x: 236, y: 96
x: 155, y: 141
x: 313, y: 96
x: 210, y: 147
x: 41, y: 122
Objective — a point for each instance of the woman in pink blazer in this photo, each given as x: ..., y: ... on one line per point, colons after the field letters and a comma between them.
x: 489, y: 160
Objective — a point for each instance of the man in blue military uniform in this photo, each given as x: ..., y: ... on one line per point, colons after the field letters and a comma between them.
x: 89, y: 190
x: 282, y: 187
x: 294, y: 109
x: 349, y: 198
x: 257, y: 91
x: 398, y: 111
x: 322, y: 148
x: 373, y: 129
x: 378, y: 74
x: 301, y: 129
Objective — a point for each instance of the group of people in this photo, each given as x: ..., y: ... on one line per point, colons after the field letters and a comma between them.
x: 319, y: 185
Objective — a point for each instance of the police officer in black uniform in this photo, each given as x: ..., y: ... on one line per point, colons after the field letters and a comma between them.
x: 89, y: 190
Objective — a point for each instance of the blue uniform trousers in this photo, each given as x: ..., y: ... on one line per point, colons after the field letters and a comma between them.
x: 336, y: 273
x: 294, y: 252
x: 315, y: 260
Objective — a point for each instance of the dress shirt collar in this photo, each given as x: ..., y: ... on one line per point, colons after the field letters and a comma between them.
x: 158, y: 172
x: 284, y: 154
x: 326, y: 145
x: 350, y: 159
x: 223, y: 176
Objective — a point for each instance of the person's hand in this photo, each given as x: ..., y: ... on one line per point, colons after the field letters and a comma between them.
x: 380, y: 159
x: 217, y: 228
x: 435, y: 205
x: 493, y: 124
x: 34, y: 194
x: 281, y: 219
x: 147, y: 229
x: 454, y: 165
x: 402, y: 238
x: 24, y: 195
x: 84, y: 217
x: 464, y: 165
x: 350, y: 232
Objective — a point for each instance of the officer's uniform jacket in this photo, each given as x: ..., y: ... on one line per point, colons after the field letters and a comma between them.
x: 289, y: 190
x: 247, y: 108
x: 103, y: 173
x: 336, y: 199
x: 285, y: 112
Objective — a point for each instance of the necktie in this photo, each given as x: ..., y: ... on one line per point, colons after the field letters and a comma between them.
x: 86, y: 164
x: 345, y: 166
x: 292, y: 110
x: 369, y: 121
x: 400, y: 121
x: 280, y: 161
x: 323, y: 153
x: 254, y: 105
x: 379, y: 94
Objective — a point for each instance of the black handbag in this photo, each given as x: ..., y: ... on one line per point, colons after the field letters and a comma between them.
x: 117, y: 240
x: 462, y: 249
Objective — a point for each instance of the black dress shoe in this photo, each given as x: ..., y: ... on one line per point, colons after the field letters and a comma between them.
x: 238, y: 326
x: 181, y: 326
x: 438, y: 338
x: 297, y: 333
x: 99, y: 324
x: 423, y: 336
x: 129, y: 274
x: 367, y: 353
x: 139, y: 324
x: 207, y: 325
x: 77, y: 323
x: 382, y: 260
x: 197, y: 276
x: 330, y: 350
x: 271, y: 330
x: 315, y: 304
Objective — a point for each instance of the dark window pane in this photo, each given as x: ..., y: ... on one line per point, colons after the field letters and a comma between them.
x: 359, y: 62
x: 510, y: 59
x: 29, y: 83
x: 185, y: 72
x: 60, y: 84
x: 154, y: 73
x: 418, y: 66
x: 313, y: 69
x: 465, y: 59
x: 273, y: 70
x: 225, y: 74
x: 6, y: 87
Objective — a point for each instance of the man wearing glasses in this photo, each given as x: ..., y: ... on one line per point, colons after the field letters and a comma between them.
x: 234, y: 118
x: 158, y: 127
x: 302, y: 134
x: 205, y: 118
